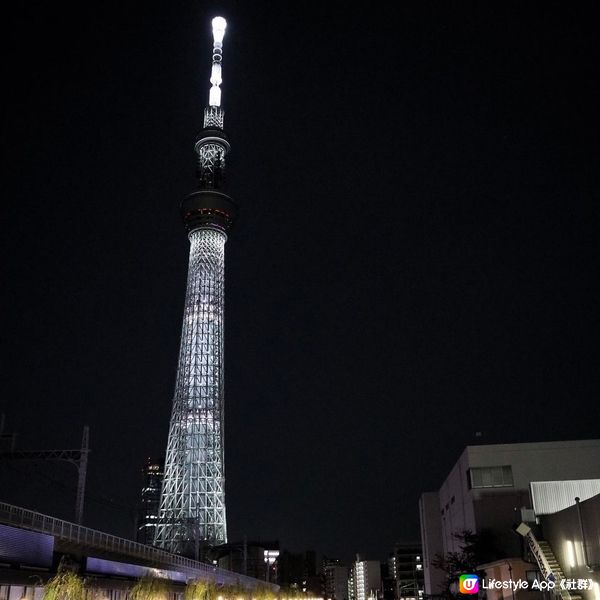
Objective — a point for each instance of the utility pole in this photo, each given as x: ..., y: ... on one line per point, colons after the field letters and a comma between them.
x: 82, y: 474
x: 77, y: 458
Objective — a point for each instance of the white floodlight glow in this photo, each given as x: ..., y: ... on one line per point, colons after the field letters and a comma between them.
x: 570, y: 554
x: 201, y: 344
x: 215, y: 75
x: 219, y: 24
x: 214, y: 98
x: 216, y: 78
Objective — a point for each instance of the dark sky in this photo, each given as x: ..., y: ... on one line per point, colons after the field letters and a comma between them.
x: 415, y: 260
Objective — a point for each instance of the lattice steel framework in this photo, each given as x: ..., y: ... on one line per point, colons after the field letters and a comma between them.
x: 192, y: 506
x: 193, y: 496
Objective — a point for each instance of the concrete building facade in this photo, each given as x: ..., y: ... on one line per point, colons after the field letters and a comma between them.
x: 152, y: 474
x: 488, y: 489
x: 367, y: 579
x: 336, y: 581
x: 573, y: 534
x: 405, y: 568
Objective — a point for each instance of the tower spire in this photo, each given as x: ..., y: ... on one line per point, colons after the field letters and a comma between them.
x: 213, y: 113
x: 218, y: 27
x: 192, y: 505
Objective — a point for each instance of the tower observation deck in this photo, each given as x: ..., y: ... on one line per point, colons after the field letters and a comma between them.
x: 192, y: 504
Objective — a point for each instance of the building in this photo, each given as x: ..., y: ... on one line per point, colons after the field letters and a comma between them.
x: 351, y: 582
x: 405, y: 570
x: 298, y: 571
x: 335, y: 580
x: 487, y: 492
x: 192, y: 508
x: 152, y: 475
x: 366, y: 578
x: 573, y: 534
x: 434, y: 580
x: 562, y: 535
x: 258, y: 559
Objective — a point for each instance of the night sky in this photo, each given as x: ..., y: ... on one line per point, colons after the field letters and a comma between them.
x: 415, y: 259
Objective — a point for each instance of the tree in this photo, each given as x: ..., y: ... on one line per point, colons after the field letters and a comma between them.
x: 233, y: 591
x: 65, y: 585
x: 200, y: 589
x: 263, y: 592
x: 150, y: 588
x: 475, y: 549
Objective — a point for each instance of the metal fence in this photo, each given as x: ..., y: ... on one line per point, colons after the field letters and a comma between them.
x: 94, y: 539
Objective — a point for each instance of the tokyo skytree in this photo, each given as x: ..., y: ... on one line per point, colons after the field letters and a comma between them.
x: 192, y: 505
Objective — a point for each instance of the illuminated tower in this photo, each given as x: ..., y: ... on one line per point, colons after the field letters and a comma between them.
x: 192, y: 505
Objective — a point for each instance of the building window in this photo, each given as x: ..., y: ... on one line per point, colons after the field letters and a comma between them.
x: 532, y: 576
x: 490, y: 477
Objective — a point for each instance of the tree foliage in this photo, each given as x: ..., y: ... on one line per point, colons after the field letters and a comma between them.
x: 65, y: 585
x: 233, y: 591
x: 475, y: 549
x: 200, y: 589
x: 263, y: 592
x: 150, y: 588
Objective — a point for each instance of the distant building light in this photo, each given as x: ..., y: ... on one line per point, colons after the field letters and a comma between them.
x: 270, y: 556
